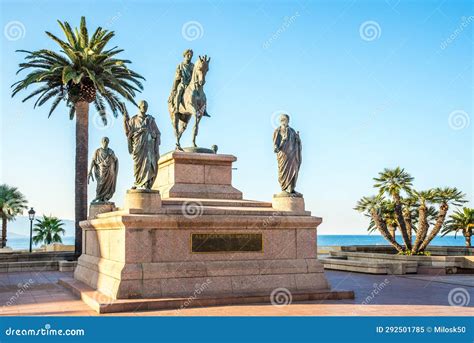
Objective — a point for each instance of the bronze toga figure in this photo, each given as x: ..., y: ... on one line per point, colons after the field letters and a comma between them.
x: 287, y: 146
x: 104, y: 167
x: 144, y: 140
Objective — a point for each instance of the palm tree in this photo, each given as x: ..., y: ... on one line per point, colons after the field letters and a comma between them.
x: 12, y: 203
x: 387, y: 212
x: 461, y: 221
x: 444, y: 197
x: 393, y: 182
x: 83, y: 72
x: 371, y: 206
x: 413, y: 212
x: 48, y: 230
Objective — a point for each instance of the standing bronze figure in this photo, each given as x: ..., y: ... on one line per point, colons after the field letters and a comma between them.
x: 187, y: 98
x: 104, y: 167
x: 144, y: 140
x: 287, y: 146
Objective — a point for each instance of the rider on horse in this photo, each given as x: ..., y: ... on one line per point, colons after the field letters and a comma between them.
x: 182, y: 78
x: 188, y: 99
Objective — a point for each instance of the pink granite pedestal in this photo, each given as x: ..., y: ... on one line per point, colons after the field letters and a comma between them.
x: 133, y: 255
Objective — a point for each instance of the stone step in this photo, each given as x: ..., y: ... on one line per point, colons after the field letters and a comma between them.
x: 370, y: 267
x: 28, y: 266
x: 216, y: 210
x: 67, y: 266
x: 435, y: 250
x: 196, y: 210
x: 37, y: 256
x: 36, y: 266
x: 425, y: 261
x: 216, y: 202
x: 103, y: 303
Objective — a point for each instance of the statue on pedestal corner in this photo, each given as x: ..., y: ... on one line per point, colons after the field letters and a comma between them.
x: 144, y: 139
x: 104, y: 166
x: 287, y: 146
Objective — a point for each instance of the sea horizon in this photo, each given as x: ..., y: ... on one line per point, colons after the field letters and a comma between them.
x: 20, y: 243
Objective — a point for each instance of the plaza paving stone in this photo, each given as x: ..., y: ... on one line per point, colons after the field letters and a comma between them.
x: 400, y: 295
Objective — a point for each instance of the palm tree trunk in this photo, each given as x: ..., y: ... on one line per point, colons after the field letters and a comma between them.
x: 422, y: 227
x: 392, y: 229
x: 82, y: 146
x: 382, y: 227
x: 443, y: 211
x: 467, y: 236
x: 4, y: 233
x: 408, y: 223
x: 401, y: 221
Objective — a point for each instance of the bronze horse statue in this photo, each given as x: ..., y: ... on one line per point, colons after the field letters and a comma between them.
x: 193, y: 104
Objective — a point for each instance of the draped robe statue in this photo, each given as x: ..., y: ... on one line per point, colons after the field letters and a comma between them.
x: 104, y: 167
x: 287, y: 146
x: 144, y: 140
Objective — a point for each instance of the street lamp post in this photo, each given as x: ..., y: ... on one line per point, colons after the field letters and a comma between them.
x: 31, y: 215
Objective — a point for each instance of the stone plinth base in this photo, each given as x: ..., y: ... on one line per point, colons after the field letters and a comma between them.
x: 128, y: 255
x: 201, y: 240
x: 196, y: 175
x: 288, y: 203
x: 143, y: 201
x: 96, y: 208
x: 102, y: 303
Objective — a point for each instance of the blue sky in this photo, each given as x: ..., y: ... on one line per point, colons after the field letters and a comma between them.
x: 369, y: 85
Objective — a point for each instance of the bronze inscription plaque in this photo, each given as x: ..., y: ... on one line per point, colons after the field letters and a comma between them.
x: 226, y: 242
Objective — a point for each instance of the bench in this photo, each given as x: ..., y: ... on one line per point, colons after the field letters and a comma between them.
x: 370, y: 267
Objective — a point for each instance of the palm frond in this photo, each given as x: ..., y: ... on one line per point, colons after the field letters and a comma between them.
x: 82, y: 62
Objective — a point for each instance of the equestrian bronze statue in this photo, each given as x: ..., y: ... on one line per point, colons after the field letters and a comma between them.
x: 187, y: 98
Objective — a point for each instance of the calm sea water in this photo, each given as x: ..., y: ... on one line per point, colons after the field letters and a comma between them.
x: 24, y: 243
x: 328, y: 240
x: 323, y: 240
